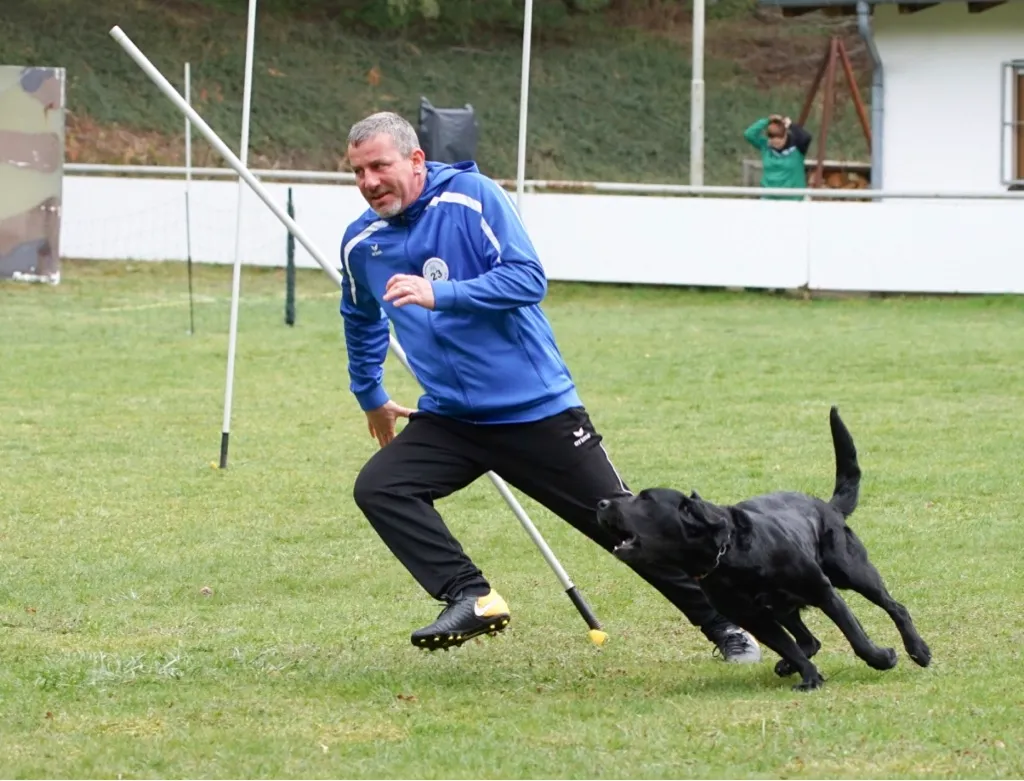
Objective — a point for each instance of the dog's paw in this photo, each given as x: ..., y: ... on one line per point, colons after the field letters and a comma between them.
x: 784, y: 669
x: 885, y: 659
x: 920, y: 653
x: 815, y: 681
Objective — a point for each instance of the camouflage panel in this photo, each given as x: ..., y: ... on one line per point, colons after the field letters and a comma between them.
x: 31, y: 168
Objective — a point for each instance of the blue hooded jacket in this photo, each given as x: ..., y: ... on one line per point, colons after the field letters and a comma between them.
x: 485, y: 353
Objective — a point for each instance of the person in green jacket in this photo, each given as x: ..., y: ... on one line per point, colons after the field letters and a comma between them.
x: 783, y: 145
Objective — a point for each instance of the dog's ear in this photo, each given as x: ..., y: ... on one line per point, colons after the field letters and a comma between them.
x: 704, y: 518
x: 691, y: 506
x: 740, y: 519
x: 718, y: 528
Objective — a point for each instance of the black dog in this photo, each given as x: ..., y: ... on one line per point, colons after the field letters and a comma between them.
x: 762, y: 561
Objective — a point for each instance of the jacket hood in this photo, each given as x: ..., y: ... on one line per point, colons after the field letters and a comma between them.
x: 438, y: 176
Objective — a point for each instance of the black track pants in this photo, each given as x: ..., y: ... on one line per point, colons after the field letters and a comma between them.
x: 558, y: 461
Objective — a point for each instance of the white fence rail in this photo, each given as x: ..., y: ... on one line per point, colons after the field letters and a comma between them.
x: 628, y: 233
x: 556, y: 185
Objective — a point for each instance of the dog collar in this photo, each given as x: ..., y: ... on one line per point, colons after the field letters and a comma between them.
x: 718, y: 559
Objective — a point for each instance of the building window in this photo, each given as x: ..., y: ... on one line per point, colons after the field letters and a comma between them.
x: 1012, y: 142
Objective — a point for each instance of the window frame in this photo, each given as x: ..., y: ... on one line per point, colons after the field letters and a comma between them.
x: 1011, y: 130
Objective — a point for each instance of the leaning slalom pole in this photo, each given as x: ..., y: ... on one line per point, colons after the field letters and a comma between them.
x: 236, y: 275
x: 596, y: 634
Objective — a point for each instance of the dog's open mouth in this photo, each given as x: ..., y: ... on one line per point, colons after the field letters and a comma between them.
x: 609, y: 517
x: 628, y: 543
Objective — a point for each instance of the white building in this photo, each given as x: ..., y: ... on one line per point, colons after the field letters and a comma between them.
x: 947, y: 98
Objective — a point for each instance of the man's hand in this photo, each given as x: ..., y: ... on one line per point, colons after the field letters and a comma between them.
x: 405, y: 289
x: 381, y: 421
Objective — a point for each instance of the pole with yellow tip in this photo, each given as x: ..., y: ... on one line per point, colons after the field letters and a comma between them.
x: 596, y: 634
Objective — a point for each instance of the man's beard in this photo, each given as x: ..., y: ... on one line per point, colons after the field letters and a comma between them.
x: 390, y: 209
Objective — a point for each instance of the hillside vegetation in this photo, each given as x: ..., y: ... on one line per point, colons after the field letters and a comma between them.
x: 609, y: 96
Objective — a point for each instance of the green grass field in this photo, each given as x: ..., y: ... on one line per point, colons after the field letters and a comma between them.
x: 298, y: 664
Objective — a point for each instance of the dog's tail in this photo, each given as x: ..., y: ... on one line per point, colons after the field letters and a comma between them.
x: 847, y: 490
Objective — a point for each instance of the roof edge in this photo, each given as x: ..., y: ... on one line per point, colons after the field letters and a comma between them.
x: 907, y: 3
x: 836, y: 7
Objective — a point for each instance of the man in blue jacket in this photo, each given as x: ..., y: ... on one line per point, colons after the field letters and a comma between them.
x: 442, y: 254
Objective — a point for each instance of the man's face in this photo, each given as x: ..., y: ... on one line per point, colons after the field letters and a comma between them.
x: 388, y: 181
x: 776, y: 136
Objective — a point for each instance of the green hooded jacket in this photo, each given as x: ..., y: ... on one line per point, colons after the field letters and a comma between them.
x: 782, y: 167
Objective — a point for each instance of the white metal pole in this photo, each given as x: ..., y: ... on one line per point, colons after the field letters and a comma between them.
x: 697, y: 98
x: 236, y: 278
x: 524, y: 102
x: 188, y: 128
x: 188, y: 205
x: 596, y: 634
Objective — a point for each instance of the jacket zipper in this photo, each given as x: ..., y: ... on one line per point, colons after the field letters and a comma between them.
x: 433, y: 331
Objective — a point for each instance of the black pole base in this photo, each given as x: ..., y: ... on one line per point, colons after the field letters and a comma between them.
x: 583, y: 608
x: 224, y: 449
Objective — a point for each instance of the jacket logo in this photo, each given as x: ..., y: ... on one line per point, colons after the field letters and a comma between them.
x: 375, y: 250
x: 435, y: 269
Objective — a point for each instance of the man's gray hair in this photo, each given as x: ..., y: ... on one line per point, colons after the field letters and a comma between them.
x: 385, y: 123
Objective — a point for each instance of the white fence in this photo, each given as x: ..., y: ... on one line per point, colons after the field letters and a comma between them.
x: 971, y: 243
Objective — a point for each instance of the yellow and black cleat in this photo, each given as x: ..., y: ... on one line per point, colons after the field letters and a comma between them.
x: 462, y: 620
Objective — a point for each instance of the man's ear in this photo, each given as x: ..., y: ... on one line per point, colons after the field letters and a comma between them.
x: 418, y: 158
